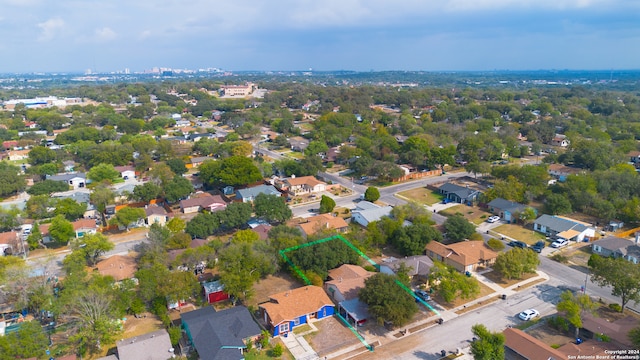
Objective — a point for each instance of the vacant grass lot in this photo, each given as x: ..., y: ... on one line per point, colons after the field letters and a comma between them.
x: 422, y: 196
x: 484, y: 291
x: 497, y: 278
x: 473, y: 214
x: 519, y: 233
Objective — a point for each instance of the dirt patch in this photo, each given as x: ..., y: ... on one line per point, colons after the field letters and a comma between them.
x: 497, y: 278
x: 270, y: 285
x: 549, y: 335
x: 332, y: 335
x: 141, y: 325
x: 484, y: 291
x: 579, y: 255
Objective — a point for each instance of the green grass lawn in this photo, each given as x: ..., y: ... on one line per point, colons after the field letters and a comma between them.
x: 520, y: 233
x: 474, y: 215
x: 422, y: 196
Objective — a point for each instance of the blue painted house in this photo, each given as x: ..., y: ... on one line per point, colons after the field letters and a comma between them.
x: 507, y: 210
x: 292, y: 308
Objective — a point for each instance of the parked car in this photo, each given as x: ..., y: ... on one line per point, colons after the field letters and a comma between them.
x: 537, y: 247
x: 518, y: 244
x: 494, y: 218
x: 559, y: 243
x: 422, y: 295
x: 529, y: 314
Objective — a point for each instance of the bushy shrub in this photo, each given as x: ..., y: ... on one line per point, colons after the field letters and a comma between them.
x: 277, y: 350
x: 615, y: 307
x: 558, y: 323
x: 495, y: 244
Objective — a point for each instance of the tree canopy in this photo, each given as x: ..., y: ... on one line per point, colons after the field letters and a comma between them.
x: 387, y: 301
x: 272, y: 208
x: 233, y: 171
x: 516, y: 262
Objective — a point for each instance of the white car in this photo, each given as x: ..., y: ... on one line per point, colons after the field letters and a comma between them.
x: 529, y: 314
x: 494, y: 218
x: 559, y: 243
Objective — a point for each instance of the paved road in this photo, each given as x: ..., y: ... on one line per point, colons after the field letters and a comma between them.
x: 456, y: 333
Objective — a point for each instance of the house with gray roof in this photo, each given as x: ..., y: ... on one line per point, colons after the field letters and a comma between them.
x: 418, y: 265
x: 562, y: 227
x: 618, y: 248
x: 249, y: 194
x: 506, y: 209
x: 76, y: 180
x: 367, y: 212
x: 152, y: 346
x: 460, y: 194
x: 220, y: 335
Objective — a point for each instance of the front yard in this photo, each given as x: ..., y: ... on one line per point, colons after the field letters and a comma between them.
x: 422, y: 196
x: 474, y: 215
x: 518, y: 232
x: 484, y: 291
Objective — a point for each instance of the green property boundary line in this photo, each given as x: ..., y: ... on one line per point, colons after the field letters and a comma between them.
x: 283, y: 254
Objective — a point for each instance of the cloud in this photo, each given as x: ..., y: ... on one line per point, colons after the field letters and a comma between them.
x: 105, y: 34
x: 49, y: 28
x: 144, y: 34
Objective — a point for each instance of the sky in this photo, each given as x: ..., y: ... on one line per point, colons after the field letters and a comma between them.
x: 325, y: 35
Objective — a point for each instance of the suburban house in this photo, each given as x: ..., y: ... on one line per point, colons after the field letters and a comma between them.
x: 418, y: 265
x: 346, y: 281
x: 506, y: 209
x: 617, y: 330
x: 298, y: 143
x: 195, y: 162
x: 10, y: 243
x: 156, y: 215
x: 202, y: 201
x: 262, y: 230
x: 119, y: 267
x: 249, y: 194
x: 560, y: 140
x: 618, y: 248
x: 18, y: 155
x: 459, y: 194
x: 634, y: 158
x: 367, y: 212
x: 151, y: 346
x: 81, y: 228
x: 214, y: 291
x: 75, y: 180
x: 464, y: 256
x: 219, y: 335
x: 126, y: 172
x: 321, y: 222
x: 301, y: 185
x: 286, y: 310
x: 562, y: 227
x: 561, y: 172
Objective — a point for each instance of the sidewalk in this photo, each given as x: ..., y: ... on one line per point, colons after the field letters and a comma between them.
x: 445, y: 314
x: 298, y: 346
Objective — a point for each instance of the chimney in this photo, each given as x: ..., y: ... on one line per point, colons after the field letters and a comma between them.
x: 293, y: 176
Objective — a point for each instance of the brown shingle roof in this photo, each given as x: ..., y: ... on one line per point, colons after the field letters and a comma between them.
x: 202, y: 200
x: 464, y: 252
x: 291, y: 304
x: 348, y: 271
x: 118, y: 266
x: 323, y: 221
x: 8, y: 237
x: 84, y: 224
x: 529, y: 347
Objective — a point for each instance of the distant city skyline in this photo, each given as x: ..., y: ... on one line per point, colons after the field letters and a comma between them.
x: 445, y: 35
